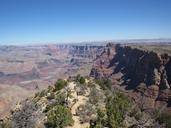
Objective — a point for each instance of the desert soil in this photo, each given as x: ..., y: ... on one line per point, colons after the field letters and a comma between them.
x: 81, y: 100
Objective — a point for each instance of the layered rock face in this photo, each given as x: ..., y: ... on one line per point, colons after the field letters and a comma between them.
x: 101, y: 65
x: 145, y: 72
x: 85, y: 51
x: 143, y: 66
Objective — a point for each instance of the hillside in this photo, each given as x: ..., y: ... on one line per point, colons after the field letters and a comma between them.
x: 78, y: 103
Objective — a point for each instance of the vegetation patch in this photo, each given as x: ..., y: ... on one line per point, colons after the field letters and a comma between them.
x: 60, y: 84
x: 104, y: 83
x: 80, y: 79
x: 116, y: 108
x: 90, y: 103
x: 165, y: 118
x: 59, y: 117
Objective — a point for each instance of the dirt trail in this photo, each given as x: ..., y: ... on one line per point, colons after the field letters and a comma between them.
x: 81, y: 101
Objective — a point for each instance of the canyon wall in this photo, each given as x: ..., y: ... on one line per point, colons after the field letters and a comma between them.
x: 145, y: 74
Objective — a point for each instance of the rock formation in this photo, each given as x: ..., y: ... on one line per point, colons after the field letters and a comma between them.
x: 146, y: 73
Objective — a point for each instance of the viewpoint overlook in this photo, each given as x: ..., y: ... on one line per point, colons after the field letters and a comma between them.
x: 85, y: 84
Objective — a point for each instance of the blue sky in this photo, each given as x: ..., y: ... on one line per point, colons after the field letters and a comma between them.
x: 41, y: 21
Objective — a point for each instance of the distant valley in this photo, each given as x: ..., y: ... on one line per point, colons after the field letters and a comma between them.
x: 25, y: 70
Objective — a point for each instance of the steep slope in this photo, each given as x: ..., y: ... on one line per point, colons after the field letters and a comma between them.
x: 78, y: 103
x: 72, y: 96
x: 144, y: 73
x: 9, y: 94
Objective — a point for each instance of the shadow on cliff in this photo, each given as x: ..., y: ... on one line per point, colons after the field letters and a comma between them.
x: 128, y: 76
x: 136, y: 66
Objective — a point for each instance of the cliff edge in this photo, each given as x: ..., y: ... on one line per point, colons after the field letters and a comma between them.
x: 144, y: 73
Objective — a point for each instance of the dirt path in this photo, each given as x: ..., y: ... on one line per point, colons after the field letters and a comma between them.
x: 81, y: 101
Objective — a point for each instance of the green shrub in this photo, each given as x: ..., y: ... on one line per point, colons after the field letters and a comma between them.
x: 101, y: 120
x: 100, y: 113
x: 116, y: 108
x: 60, y: 98
x: 96, y: 96
x: 108, y: 83
x: 60, y: 84
x: 165, y: 118
x: 104, y: 83
x: 101, y: 117
x: 50, y: 89
x: 80, y: 79
x: 59, y: 117
x: 40, y: 94
x: 77, y: 78
x: 136, y: 113
x: 81, y: 89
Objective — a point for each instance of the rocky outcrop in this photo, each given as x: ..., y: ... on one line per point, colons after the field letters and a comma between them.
x: 27, y: 116
x: 133, y: 67
x: 143, y: 66
x: 102, y: 62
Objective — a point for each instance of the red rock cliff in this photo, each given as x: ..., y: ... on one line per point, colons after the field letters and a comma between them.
x: 144, y: 73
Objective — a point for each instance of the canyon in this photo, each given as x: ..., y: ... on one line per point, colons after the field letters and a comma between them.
x: 142, y: 71
x: 139, y: 70
x: 25, y: 70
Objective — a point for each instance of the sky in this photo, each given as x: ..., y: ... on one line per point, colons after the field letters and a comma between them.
x: 60, y: 21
